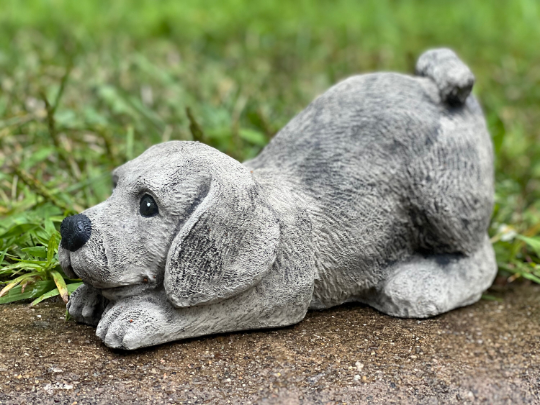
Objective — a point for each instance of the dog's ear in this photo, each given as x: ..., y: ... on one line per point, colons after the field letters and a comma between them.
x: 227, y: 245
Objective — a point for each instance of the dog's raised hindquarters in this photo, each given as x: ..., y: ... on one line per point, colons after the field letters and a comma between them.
x: 379, y: 192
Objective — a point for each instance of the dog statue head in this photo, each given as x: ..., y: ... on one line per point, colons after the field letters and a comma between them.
x: 182, y: 216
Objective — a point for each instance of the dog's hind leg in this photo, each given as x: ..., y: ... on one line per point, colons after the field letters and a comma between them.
x: 425, y: 286
x: 450, y: 181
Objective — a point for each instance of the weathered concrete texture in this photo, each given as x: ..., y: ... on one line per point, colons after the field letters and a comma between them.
x: 488, y: 352
x: 379, y: 192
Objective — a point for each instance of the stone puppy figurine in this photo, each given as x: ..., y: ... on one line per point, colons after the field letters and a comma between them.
x: 379, y: 192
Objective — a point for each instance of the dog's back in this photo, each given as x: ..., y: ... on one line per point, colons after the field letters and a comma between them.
x: 386, y: 165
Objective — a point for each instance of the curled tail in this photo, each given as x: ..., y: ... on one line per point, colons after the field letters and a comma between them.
x: 453, y: 78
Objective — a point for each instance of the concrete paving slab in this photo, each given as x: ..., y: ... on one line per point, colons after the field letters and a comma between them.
x: 485, y: 353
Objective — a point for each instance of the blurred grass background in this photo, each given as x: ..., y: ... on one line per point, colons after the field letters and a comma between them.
x: 87, y: 85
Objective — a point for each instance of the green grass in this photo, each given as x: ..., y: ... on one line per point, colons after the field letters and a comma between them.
x: 87, y: 85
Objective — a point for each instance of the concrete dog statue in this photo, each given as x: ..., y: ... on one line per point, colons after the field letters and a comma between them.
x: 379, y: 192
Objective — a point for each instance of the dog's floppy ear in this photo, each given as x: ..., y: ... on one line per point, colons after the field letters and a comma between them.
x: 227, y: 245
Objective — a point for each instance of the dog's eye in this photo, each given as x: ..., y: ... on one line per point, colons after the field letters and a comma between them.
x: 148, y: 206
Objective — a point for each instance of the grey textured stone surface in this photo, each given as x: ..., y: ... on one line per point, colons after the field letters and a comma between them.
x: 379, y: 192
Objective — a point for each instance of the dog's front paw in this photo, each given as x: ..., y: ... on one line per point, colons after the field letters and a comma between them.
x: 86, y: 305
x: 133, y: 323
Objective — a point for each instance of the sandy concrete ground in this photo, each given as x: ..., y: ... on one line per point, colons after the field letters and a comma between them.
x: 485, y: 353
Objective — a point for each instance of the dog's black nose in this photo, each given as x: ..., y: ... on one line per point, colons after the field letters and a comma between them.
x: 75, y: 231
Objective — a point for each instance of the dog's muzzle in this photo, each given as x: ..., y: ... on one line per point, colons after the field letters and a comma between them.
x: 75, y: 231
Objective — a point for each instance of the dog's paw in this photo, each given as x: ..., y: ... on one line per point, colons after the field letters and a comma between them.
x: 133, y: 323
x: 86, y: 305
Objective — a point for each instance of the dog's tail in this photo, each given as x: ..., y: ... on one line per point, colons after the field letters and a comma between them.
x: 453, y: 78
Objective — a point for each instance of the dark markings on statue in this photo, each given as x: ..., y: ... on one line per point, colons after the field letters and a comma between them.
x: 379, y: 192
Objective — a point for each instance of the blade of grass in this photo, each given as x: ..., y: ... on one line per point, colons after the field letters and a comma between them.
x: 8, y: 287
x: 194, y: 127
x: 18, y: 281
x: 52, y: 247
x: 63, y: 83
x: 17, y: 230
x: 35, y: 251
x: 108, y: 141
x: 489, y: 297
x: 48, y: 294
x: 129, y: 143
x: 37, y: 187
x: 534, y: 243
x: 61, y: 285
x: 51, y: 125
x: 531, y: 277
x: 53, y: 293
x: 36, y: 289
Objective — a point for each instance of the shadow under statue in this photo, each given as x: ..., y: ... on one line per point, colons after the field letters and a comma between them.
x: 379, y: 192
